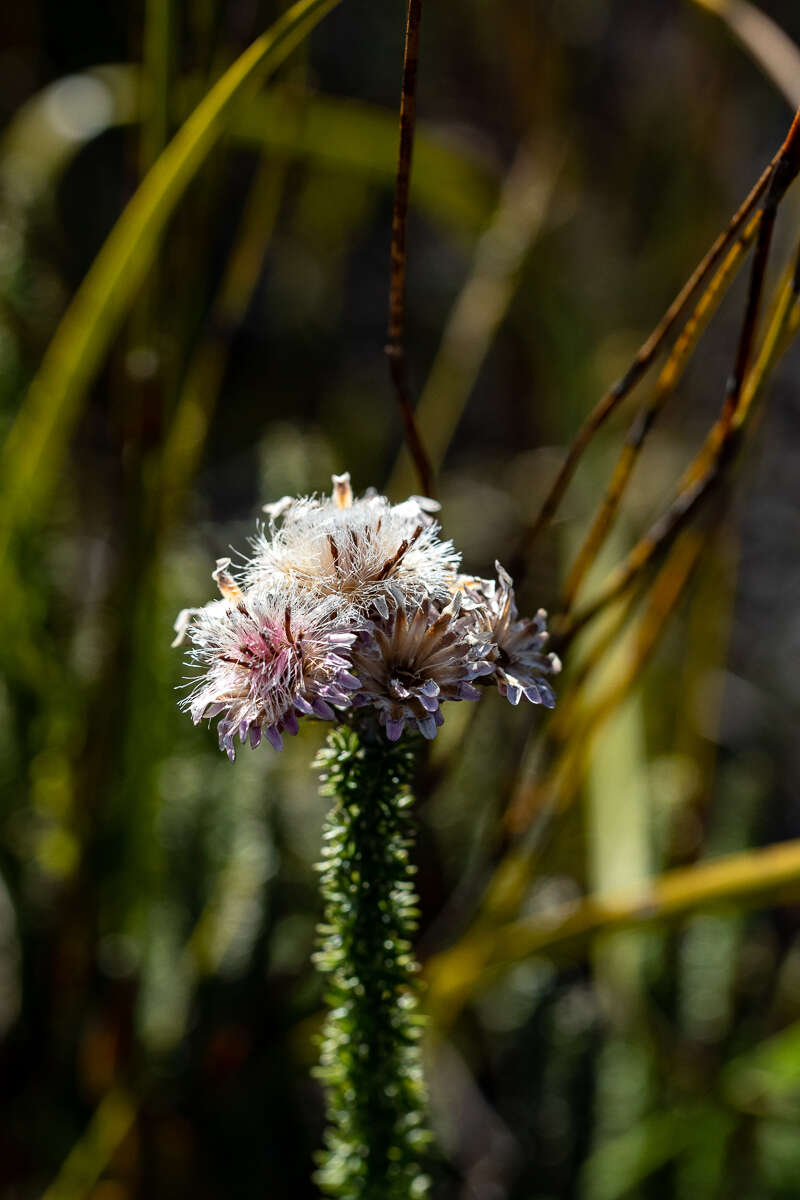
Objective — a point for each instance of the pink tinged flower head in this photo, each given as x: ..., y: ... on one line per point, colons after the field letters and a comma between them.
x: 355, y: 550
x: 520, y: 661
x: 266, y: 659
x: 413, y: 660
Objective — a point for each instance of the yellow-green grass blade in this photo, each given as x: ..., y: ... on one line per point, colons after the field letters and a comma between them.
x: 737, y: 882
x: 453, y: 185
x: 111, y: 1123
x: 157, y: 52
x: 35, y: 444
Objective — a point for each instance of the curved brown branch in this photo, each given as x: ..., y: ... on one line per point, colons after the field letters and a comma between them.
x: 646, y: 418
x: 704, y: 473
x: 644, y: 357
x: 705, y: 470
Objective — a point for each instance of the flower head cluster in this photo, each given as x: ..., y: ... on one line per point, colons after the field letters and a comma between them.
x: 356, y: 604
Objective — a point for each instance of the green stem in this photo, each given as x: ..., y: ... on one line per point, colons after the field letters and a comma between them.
x: 370, y: 1061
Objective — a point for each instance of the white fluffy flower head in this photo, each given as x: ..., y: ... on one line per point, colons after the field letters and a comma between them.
x: 265, y: 659
x: 355, y: 549
x: 350, y: 606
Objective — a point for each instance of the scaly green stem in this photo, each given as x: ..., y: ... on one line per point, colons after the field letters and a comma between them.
x: 370, y: 1061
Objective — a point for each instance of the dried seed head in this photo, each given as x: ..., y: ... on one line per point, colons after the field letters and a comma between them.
x: 351, y: 604
x: 353, y: 549
x: 265, y: 659
x: 520, y: 662
x: 411, y: 661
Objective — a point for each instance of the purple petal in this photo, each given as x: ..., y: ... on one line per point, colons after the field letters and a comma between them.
x: 427, y: 727
x: 289, y: 722
x: 467, y: 692
x: 255, y: 735
x: 274, y: 737
x: 430, y: 687
x: 394, y: 728
x: 513, y: 694
x: 302, y: 705
x: 347, y: 680
x: 428, y: 702
x: 323, y: 710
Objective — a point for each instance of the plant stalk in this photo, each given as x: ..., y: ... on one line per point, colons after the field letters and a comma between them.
x: 370, y: 1060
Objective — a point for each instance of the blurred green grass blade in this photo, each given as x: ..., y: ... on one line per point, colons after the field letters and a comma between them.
x: 617, y: 820
x: 735, y: 881
x: 621, y: 1163
x: 767, y: 1075
x: 191, y: 421
x: 157, y: 54
x: 701, y: 1169
x: 36, y: 442
x: 452, y: 185
x: 110, y: 1124
x: 617, y: 813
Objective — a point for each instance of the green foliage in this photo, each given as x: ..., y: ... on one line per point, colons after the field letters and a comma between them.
x: 32, y: 451
x: 370, y: 1061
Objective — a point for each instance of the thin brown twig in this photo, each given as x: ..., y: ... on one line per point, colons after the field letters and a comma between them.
x: 644, y: 357
x: 657, y: 539
x: 395, y: 345
x: 662, y: 601
x: 645, y: 419
x: 559, y: 728
x: 783, y: 174
x: 707, y: 467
